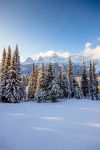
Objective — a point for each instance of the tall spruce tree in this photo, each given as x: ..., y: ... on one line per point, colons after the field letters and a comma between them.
x: 55, y: 91
x: 32, y: 83
x: 84, y: 81
x: 3, y: 63
x: 3, y: 82
x: 40, y: 93
x: 93, y: 86
x: 74, y: 88
x: 13, y: 82
x: 63, y: 82
x: 9, y: 57
x: 23, y: 88
x: 49, y: 77
x: 42, y: 77
x: 6, y: 70
x: 95, y: 83
x: 71, y: 77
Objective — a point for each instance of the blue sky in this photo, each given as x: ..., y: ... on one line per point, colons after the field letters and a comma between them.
x: 39, y: 25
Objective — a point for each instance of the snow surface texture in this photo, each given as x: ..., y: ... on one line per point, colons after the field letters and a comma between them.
x: 70, y: 125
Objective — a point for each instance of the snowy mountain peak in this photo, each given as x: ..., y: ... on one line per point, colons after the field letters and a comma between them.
x: 61, y: 58
x: 29, y: 60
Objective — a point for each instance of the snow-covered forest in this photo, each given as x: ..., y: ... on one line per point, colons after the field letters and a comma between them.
x: 45, y: 83
x: 72, y: 122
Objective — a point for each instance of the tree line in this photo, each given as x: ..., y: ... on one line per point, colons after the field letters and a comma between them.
x: 45, y: 83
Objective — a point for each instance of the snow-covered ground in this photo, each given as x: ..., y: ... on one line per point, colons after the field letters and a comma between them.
x: 70, y: 125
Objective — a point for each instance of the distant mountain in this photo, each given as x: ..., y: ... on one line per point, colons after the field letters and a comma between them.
x: 29, y: 60
x: 60, y: 59
x: 51, y: 58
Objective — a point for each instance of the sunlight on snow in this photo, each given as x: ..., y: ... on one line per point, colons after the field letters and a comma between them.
x: 52, y: 118
x: 89, y: 124
x: 11, y: 114
x: 90, y: 109
x: 44, y: 129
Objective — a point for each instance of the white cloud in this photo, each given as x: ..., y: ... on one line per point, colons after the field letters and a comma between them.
x: 63, y: 54
x: 49, y: 53
x: 92, y: 52
x: 98, y: 38
x: 96, y: 52
x: 22, y: 59
x: 88, y: 45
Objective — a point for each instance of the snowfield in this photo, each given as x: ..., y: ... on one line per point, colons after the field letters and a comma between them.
x: 69, y: 125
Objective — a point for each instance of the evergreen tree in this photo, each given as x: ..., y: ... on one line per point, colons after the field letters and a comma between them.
x: 3, y: 82
x: 32, y: 83
x: 84, y: 82
x: 71, y: 78
x: 40, y: 93
x: 49, y: 77
x: 23, y: 88
x: 18, y: 67
x: 42, y: 77
x: 93, y: 84
x: 55, y: 91
x: 17, y: 58
x: 6, y: 69
x: 13, y: 82
x: 74, y: 88
x: 77, y: 90
x: 3, y: 63
x: 63, y: 82
x: 9, y: 57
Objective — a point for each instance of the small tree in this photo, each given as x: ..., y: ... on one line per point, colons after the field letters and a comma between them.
x: 32, y: 83
x: 3, y: 82
x: 40, y: 93
x: 93, y: 84
x: 84, y: 81
x: 54, y: 92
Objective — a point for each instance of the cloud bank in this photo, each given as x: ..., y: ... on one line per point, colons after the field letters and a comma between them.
x: 91, y: 52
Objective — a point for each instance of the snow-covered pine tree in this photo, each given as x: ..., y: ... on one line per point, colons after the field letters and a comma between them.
x: 49, y: 77
x: 13, y: 82
x: 61, y: 73
x: 6, y: 74
x: 74, y: 88
x: 84, y: 81
x: 3, y: 63
x: 18, y: 67
x: 32, y: 84
x: 71, y: 77
x: 9, y: 57
x: 77, y: 90
x: 55, y: 91
x: 17, y: 58
x: 64, y: 83
x: 60, y: 80
x: 3, y: 82
x: 42, y: 77
x: 68, y: 88
x: 23, y: 87
x: 40, y: 93
x: 93, y: 84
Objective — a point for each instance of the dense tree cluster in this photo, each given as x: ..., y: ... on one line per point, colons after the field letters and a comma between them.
x: 11, y: 84
x: 45, y: 83
x: 51, y: 86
